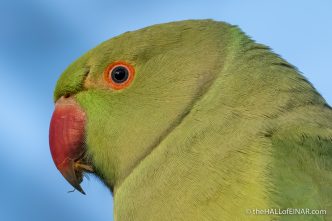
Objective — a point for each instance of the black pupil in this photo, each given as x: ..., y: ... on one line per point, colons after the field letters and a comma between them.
x: 119, y: 74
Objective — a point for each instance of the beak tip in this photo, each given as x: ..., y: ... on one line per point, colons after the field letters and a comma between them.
x: 79, y: 188
x: 68, y: 172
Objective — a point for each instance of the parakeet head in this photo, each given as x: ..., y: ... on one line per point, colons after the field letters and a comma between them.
x: 119, y: 101
x: 116, y: 103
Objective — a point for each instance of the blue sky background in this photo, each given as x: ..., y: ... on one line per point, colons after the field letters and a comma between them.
x: 39, y: 38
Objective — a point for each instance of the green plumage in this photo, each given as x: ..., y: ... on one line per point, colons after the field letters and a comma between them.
x: 212, y: 125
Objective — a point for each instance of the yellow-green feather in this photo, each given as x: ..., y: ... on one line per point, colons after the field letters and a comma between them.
x: 212, y: 125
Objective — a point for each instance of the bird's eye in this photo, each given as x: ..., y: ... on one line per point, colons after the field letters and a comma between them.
x: 119, y: 74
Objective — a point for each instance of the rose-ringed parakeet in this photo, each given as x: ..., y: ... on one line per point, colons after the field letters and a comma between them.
x: 193, y: 120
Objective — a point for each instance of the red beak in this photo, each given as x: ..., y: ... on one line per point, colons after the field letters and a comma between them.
x: 66, y: 139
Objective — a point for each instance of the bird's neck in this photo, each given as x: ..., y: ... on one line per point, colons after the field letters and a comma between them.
x: 206, y: 162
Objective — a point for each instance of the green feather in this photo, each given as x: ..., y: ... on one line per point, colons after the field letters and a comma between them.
x: 212, y: 125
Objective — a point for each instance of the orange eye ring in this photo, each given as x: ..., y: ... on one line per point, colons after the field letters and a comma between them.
x: 119, y: 74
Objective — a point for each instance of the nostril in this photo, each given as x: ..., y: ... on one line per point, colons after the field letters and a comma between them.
x: 66, y: 96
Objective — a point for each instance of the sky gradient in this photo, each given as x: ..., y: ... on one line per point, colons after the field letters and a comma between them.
x: 39, y: 39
